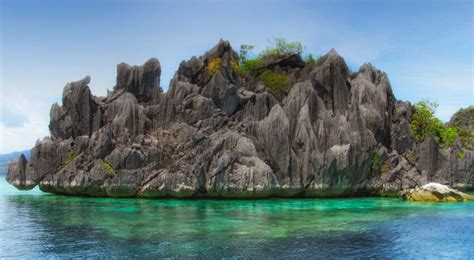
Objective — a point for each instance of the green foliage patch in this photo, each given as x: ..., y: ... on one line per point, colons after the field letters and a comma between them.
x: 252, y: 65
x: 376, y: 163
x: 107, y: 167
x: 425, y: 124
x: 467, y: 137
x: 282, y: 47
x: 244, y: 53
x: 71, y: 157
x: 213, y: 66
x: 310, y: 59
x: 410, y: 155
x: 278, y: 83
x: 463, y: 122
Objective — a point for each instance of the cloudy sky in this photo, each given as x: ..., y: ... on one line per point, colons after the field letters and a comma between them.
x: 426, y: 47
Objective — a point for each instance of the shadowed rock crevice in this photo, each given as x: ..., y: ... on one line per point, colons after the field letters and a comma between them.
x: 221, y: 134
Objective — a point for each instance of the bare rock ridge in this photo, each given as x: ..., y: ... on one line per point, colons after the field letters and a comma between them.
x: 223, y: 134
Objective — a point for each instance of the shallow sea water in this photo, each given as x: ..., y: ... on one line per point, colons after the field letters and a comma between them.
x: 38, y: 225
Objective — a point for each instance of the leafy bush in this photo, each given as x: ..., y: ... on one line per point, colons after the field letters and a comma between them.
x: 425, y: 124
x: 278, y: 83
x: 107, y: 167
x: 463, y: 122
x: 213, y: 66
x: 448, y: 135
x: 464, y: 118
x: 247, y: 66
x: 244, y: 64
x: 460, y: 154
x: 282, y: 47
x: 466, y: 137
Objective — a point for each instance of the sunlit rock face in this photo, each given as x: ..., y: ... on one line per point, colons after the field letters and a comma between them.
x: 435, y: 192
x: 219, y: 133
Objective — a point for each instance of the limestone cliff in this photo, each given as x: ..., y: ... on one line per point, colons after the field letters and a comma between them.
x: 224, y: 134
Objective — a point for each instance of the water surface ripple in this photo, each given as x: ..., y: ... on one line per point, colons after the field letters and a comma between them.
x: 38, y: 225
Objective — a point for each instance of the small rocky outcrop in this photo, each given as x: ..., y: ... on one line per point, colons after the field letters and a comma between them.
x: 219, y: 133
x: 435, y: 192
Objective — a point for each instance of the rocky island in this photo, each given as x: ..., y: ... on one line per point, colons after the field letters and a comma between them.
x: 279, y: 127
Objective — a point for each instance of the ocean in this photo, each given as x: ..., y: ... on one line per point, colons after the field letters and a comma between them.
x: 39, y: 225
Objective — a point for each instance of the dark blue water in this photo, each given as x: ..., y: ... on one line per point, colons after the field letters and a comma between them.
x: 38, y: 225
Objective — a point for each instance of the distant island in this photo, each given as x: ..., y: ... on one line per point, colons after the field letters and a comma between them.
x: 242, y: 125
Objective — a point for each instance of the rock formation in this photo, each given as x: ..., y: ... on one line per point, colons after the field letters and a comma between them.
x: 218, y: 133
x: 435, y: 192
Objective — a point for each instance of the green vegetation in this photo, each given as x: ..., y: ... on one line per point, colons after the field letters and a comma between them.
x: 376, y: 163
x: 71, y: 157
x: 425, y: 124
x: 245, y: 64
x: 252, y: 65
x: 463, y: 118
x: 213, y: 66
x: 255, y: 65
x: 463, y: 122
x: 282, y: 47
x: 278, y: 83
x: 466, y: 137
x: 460, y: 154
x: 107, y: 167
x: 410, y: 155
x: 245, y: 51
x: 310, y: 59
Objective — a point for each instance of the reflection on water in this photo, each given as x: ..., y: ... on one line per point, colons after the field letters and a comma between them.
x: 41, y: 225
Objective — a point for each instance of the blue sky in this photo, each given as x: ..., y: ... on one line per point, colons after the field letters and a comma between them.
x: 426, y: 47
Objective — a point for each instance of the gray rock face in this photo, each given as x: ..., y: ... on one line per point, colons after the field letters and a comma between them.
x: 216, y: 134
x: 142, y: 81
x: 78, y: 115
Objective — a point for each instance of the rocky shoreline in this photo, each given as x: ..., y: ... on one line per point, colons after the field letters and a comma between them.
x: 221, y: 133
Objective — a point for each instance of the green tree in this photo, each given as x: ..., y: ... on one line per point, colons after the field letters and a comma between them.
x: 448, y: 135
x: 425, y: 124
x: 423, y: 121
x: 245, y: 51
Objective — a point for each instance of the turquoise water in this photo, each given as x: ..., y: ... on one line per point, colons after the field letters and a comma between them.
x: 38, y: 225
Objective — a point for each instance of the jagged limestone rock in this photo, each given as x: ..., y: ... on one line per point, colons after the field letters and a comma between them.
x: 218, y: 133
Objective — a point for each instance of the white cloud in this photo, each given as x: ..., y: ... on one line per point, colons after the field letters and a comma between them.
x: 21, y: 138
x: 35, y: 126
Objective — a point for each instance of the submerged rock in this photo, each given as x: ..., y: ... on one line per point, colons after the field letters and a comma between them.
x: 220, y: 133
x: 435, y: 192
